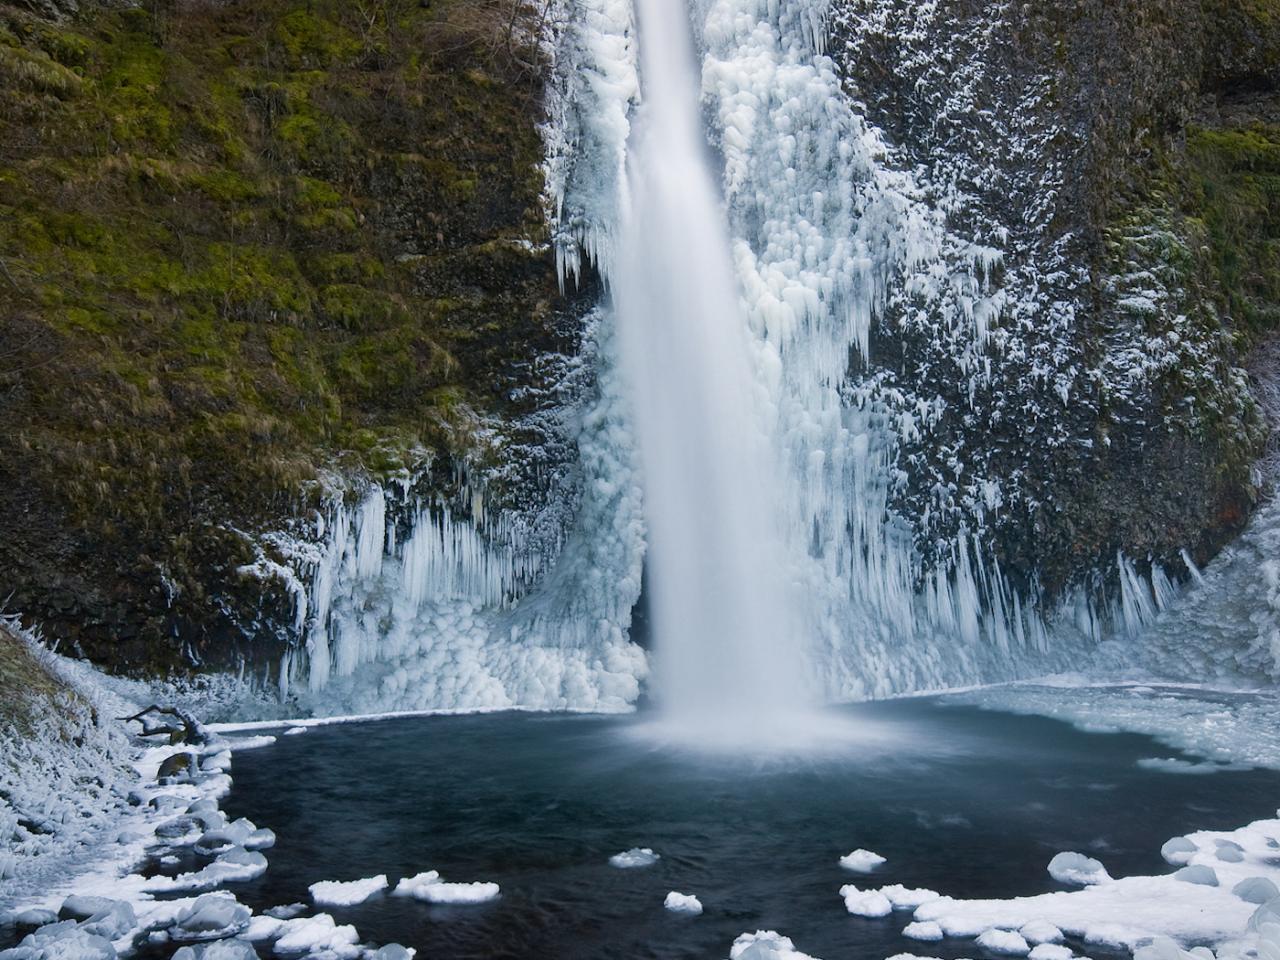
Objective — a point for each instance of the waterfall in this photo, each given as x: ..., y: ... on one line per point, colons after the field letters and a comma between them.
x: 725, y: 640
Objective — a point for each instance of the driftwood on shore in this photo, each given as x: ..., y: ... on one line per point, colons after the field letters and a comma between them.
x: 174, y: 722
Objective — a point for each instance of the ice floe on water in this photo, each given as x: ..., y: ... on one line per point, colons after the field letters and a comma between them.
x: 633, y: 858
x: 339, y: 893
x: 1129, y: 912
x: 861, y: 861
x: 430, y: 887
x: 766, y: 945
x: 1007, y: 943
x: 865, y: 903
x: 683, y: 903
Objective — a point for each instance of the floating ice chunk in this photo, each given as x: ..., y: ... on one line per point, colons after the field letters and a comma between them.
x: 765, y: 945
x: 218, y: 950
x: 861, y: 861
x: 1077, y: 869
x: 340, y: 893
x: 908, y: 898
x: 293, y: 732
x: 683, y: 903
x: 390, y: 951
x: 635, y: 857
x: 865, y: 903
x: 1040, y: 931
x: 1205, y: 876
x: 318, y: 934
x: 1178, y: 851
x: 1050, y: 951
x: 1007, y: 943
x: 1256, y: 890
x: 429, y: 887
x: 923, y: 930
x: 211, y: 917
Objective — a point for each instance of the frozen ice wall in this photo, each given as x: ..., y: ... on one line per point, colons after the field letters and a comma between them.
x: 835, y: 246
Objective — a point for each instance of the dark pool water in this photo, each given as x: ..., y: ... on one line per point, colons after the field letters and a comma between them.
x: 966, y: 802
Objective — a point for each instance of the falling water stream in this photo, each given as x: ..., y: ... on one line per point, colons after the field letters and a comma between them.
x: 724, y: 631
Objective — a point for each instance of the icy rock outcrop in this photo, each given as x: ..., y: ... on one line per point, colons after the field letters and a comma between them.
x: 1077, y: 869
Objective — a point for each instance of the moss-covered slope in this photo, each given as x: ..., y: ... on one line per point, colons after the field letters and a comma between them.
x: 241, y: 242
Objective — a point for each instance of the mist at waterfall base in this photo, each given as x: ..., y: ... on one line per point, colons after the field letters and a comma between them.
x: 727, y: 667
x: 963, y: 801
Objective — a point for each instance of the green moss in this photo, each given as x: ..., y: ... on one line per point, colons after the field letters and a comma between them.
x: 1235, y: 181
x: 249, y: 240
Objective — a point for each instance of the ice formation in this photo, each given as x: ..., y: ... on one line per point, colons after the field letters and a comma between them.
x: 861, y: 861
x: 865, y: 903
x: 461, y: 602
x: 765, y: 945
x: 430, y: 887
x: 635, y: 857
x: 338, y: 893
x: 683, y: 903
x: 1077, y: 869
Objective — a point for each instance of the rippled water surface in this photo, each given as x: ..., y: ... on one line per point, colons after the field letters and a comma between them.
x: 966, y: 802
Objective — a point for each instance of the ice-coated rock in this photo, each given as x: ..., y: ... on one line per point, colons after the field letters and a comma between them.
x: 318, y: 934
x: 765, y: 945
x: 635, y: 857
x: 211, y: 917
x: 861, y: 861
x: 62, y: 941
x: 1256, y: 890
x: 223, y: 838
x: 1229, y: 851
x: 683, y: 903
x: 34, y: 917
x: 1160, y: 948
x: 865, y: 903
x: 1040, y: 931
x: 167, y: 802
x: 232, y: 949
x: 390, y: 951
x: 79, y: 907
x: 1178, y: 851
x: 178, y: 827
x: 1050, y: 951
x: 1077, y: 869
x: 1268, y: 913
x: 1205, y: 876
x: 113, y: 922
x: 1008, y: 943
x: 927, y: 930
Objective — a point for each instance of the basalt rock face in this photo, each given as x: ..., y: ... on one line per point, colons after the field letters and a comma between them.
x: 1122, y: 155
x: 250, y: 253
